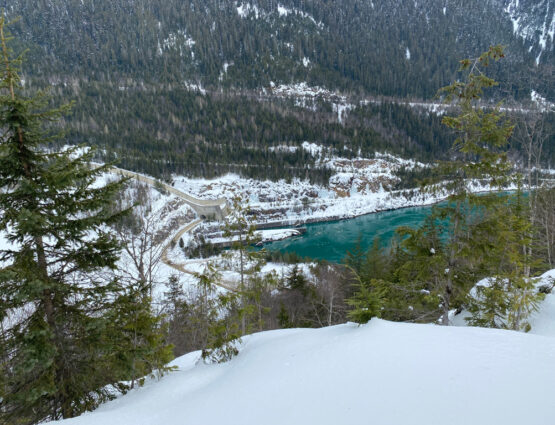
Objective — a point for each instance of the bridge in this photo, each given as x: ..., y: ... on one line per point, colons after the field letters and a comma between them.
x: 205, y: 209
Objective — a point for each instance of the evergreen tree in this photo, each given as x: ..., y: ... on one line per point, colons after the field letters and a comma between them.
x: 142, y: 349
x: 487, y: 233
x: 477, y: 155
x: 297, y: 280
x: 429, y: 275
x: 507, y: 299
x: 283, y: 317
x: 59, y: 343
x: 174, y: 296
x: 355, y: 256
x: 500, y: 231
x: 177, y: 309
x: 257, y: 295
x: 366, y: 302
x: 374, y: 265
x: 297, y: 299
x: 221, y: 328
x: 250, y: 261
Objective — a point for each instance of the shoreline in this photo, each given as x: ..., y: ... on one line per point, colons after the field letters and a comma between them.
x: 296, y: 223
x: 333, y: 219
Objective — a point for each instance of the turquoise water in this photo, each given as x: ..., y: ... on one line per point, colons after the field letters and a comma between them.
x: 331, y: 240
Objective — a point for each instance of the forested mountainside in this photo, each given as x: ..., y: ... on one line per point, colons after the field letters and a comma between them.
x: 192, y: 134
x: 396, y: 48
x: 138, y: 71
x: 534, y: 21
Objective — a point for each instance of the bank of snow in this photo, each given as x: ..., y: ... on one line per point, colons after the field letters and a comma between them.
x: 379, y: 373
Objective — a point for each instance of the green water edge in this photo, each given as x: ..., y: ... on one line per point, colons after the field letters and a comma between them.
x: 330, y: 240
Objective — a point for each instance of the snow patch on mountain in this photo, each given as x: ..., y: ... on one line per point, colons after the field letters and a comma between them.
x: 196, y: 87
x: 176, y: 41
x: 541, y: 101
x: 246, y: 10
x: 223, y: 72
x: 302, y: 89
x: 535, y: 23
x: 284, y: 11
x: 283, y: 148
x: 305, y: 95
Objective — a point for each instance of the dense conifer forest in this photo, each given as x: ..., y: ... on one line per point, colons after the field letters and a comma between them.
x: 130, y: 66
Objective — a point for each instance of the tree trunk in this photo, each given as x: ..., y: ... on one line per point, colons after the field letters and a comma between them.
x: 330, y: 314
x: 448, y: 291
x: 242, y: 289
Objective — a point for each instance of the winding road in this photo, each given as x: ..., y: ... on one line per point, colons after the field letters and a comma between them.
x: 204, y: 208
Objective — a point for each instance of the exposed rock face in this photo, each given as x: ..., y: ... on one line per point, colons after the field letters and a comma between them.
x: 534, y: 22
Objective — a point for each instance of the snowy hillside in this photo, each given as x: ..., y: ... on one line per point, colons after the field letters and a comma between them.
x: 534, y: 22
x: 379, y: 373
x: 357, y: 186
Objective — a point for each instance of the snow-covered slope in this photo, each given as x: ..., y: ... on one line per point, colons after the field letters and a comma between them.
x: 534, y: 22
x: 380, y: 373
x: 357, y: 186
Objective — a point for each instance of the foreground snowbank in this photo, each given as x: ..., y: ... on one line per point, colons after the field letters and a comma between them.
x: 380, y: 373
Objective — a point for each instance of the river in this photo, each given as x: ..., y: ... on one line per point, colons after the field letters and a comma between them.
x: 332, y: 239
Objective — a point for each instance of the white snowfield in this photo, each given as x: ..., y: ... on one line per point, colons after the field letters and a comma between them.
x: 382, y: 373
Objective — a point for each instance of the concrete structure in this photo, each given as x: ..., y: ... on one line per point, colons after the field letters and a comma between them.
x: 206, y: 209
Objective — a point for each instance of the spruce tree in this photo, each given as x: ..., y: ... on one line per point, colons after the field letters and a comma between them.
x: 355, y: 256
x: 490, y: 232
x: 478, y: 155
x: 425, y: 275
x: 367, y: 301
x: 56, y: 358
x: 140, y: 334
x: 243, y: 234
x: 216, y: 316
x: 509, y: 296
x: 498, y: 231
x: 297, y: 280
x: 374, y: 266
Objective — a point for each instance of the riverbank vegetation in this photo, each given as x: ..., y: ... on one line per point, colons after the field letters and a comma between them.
x: 435, y: 267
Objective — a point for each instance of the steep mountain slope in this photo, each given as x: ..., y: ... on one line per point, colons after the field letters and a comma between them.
x: 383, y: 373
x: 193, y: 86
x: 534, y: 22
x: 397, y: 48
